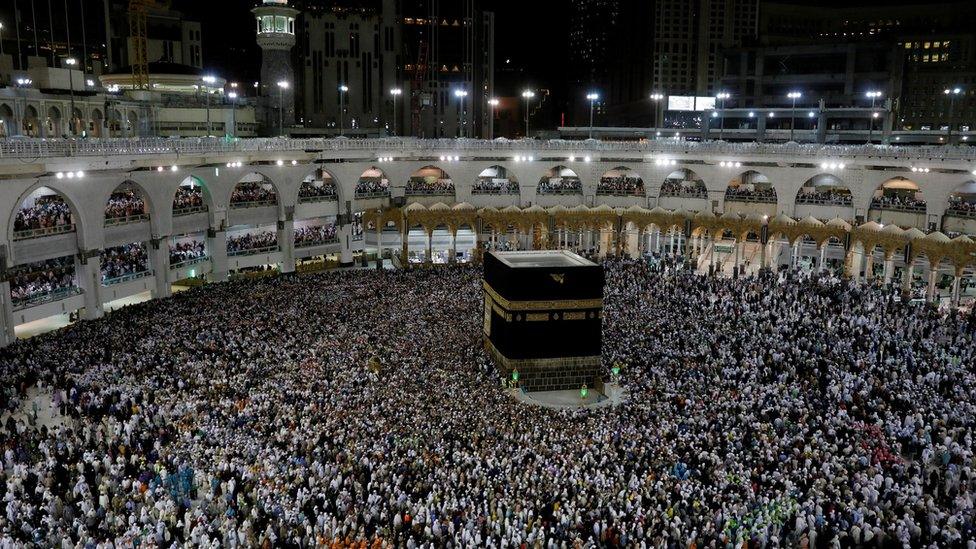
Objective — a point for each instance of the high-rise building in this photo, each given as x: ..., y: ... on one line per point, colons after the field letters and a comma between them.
x: 275, y: 21
x: 448, y: 49
x: 171, y: 37
x: 689, y: 37
x: 912, y: 53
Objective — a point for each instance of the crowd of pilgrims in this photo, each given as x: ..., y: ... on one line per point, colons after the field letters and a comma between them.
x: 960, y: 205
x: 427, y: 185
x: 898, y: 202
x: 253, y: 192
x: 676, y: 187
x: 495, y: 185
x: 621, y: 185
x: 124, y: 204
x: 41, y: 279
x: 187, y: 250
x: 188, y: 198
x: 312, y: 191
x: 47, y: 212
x: 751, y: 193
x: 359, y: 409
x: 371, y: 185
x: 125, y: 260
x: 251, y: 241
x: 832, y: 197
x: 560, y: 185
x: 314, y: 235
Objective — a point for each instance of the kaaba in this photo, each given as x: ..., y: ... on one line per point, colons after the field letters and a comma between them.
x: 544, y: 318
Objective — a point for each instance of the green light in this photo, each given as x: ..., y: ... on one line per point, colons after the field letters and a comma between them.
x: 584, y: 391
x: 515, y: 375
x: 193, y: 273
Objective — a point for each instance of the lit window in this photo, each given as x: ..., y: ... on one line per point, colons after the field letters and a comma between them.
x: 928, y: 45
x: 908, y: 45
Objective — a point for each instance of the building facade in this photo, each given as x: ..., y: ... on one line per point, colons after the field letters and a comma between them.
x: 171, y: 37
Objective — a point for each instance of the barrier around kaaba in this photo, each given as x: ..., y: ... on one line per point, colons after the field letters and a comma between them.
x: 543, y: 318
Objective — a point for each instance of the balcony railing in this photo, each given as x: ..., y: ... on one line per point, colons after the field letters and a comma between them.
x: 126, y: 278
x: 188, y: 262
x: 40, y: 299
x: 318, y: 198
x: 914, y: 208
x: 477, y: 191
x: 189, y: 211
x: 437, y: 192
x: 698, y: 193
x: 824, y: 202
x: 254, y: 204
x: 45, y: 231
x: 614, y: 192
x: 314, y: 243
x: 956, y: 212
x: 561, y: 191
x: 35, y: 148
x: 112, y: 221
x: 374, y: 194
x: 750, y: 198
x: 253, y: 251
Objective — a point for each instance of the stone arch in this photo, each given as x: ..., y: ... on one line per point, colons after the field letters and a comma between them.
x: 132, y: 122
x: 128, y: 203
x: 53, y: 121
x: 191, y: 196
x: 30, y: 125
x: 621, y: 181
x: 77, y: 122
x: 750, y: 186
x: 495, y: 179
x: 318, y: 185
x: 899, y: 194
x: 373, y: 183
x: 31, y: 195
x: 430, y: 181
x: 560, y: 180
x: 684, y: 183
x: 6, y: 120
x: 962, y: 200
x: 825, y: 189
x: 96, y: 124
x: 254, y: 189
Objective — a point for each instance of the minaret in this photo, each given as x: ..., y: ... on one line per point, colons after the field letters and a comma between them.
x: 276, y: 37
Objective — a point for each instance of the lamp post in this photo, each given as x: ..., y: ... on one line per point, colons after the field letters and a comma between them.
x: 1, y: 41
x: 461, y: 94
x: 233, y: 113
x: 396, y: 93
x: 493, y: 103
x: 873, y: 96
x: 592, y: 97
x: 282, y: 86
x: 722, y: 96
x: 342, y: 108
x: 71, y: 62
x: 208, y: 81
x: 793, y: 95
x: 952, y: 93
x: 528, y: 95
x: 656, y: 100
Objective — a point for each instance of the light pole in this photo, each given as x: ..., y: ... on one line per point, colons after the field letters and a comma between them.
x: 528, y: 95
x: 1, y: 41
x: 233, y: 113
x: 461, y: 94
x: 873, y: 96
x: 342, y: 108
x: 793, y: 95
x: 396, y: 93
x: 71, y: 62
x: 592, y: 97
x: 491, y: 123
x: 207, y: 82
x: 656, y: 100
x: 952, y: 93
x: 282, y: 86
x: 722, y: 96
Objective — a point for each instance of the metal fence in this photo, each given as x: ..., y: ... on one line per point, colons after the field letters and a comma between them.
x: 53, y: 148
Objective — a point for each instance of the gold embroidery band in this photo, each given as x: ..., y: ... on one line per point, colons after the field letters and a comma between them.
x: 552, y: 305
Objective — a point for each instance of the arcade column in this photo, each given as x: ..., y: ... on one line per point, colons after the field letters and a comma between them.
x: 88, y: 270
x: 344, y: 233
x: 909, y: 274
x: 286, y: 243
x: 160, y: 265
x: 217, y: 246
x: 7, y: 335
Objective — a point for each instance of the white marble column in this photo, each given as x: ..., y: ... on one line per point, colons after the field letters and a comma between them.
x: 7, y: 335
x: 159, y: 248
x: 88, y: 270
x: 344, y: 233
x: 286, y: 243
x: 217, y: 248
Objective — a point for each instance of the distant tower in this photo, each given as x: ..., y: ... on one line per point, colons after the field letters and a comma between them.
x: 276, y: 37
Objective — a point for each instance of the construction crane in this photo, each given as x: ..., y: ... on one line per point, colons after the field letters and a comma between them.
x: 139, y: 39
